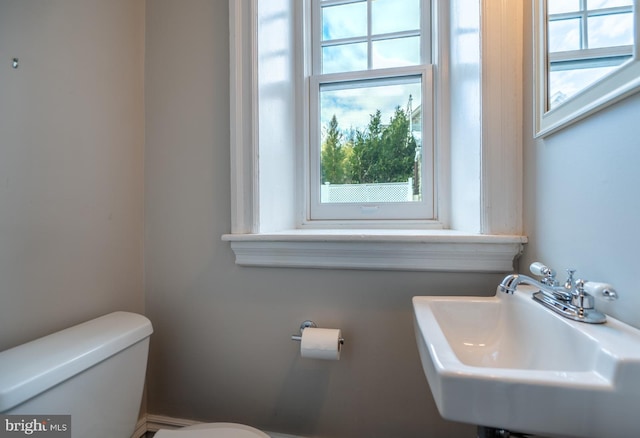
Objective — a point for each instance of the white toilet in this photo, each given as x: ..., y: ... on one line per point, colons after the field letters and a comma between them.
x: 213, y: 430
x: 93, y: 372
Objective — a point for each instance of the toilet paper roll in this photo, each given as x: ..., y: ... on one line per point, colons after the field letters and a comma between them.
x: 321, y: 343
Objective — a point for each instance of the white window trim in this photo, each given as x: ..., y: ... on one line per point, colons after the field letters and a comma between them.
x: 491, y: 246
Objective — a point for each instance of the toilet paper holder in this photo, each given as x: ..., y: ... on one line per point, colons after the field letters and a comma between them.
x: 305, y: 325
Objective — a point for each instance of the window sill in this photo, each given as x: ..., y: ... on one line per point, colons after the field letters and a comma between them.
x: 409, y: 250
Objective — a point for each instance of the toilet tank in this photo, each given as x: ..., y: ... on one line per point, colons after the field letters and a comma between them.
x: 93, y: 372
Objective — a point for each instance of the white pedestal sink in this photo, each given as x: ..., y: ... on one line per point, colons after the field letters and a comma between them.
x: 507, y: 362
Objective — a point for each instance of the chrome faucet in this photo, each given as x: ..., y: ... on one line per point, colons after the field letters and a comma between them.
x: 512, y: 281
x: 570, y: 300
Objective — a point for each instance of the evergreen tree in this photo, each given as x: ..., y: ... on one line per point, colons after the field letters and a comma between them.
x: 377, y: 154
x: 366, y: 151
x: 383, y: 154
x: 396, y: 161
x: 332, y: 155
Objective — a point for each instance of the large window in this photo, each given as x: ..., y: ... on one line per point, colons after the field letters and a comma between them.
x: 587, y: 40
x: 371, y: 100
x: 473, y: 109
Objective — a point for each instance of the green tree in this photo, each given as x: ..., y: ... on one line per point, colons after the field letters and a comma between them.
x: 398, y: 149
x: 383, y: 153
x: 332, y: 155
x: 378, y: 154
x: 366, y: 150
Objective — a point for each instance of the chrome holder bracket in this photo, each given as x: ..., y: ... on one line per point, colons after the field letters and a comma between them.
x: 304, y: 325
x: 307, y: 324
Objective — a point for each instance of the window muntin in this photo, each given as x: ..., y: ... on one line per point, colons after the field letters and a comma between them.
x: 371, y: 66
x: 371, y: 26
x: 587, y: 39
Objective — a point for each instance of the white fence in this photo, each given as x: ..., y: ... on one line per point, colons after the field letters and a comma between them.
x: 382, y: 192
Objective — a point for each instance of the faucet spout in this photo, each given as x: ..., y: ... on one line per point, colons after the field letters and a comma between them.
x: 509, y: 283
x: 512, y: 281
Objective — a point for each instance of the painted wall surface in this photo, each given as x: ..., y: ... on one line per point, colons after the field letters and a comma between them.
x: 71, y: 161
x: 222, y: 350
x: 582, y: 207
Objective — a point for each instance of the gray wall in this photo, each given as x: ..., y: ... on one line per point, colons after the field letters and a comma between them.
x: 221, y: 350
x: 582, y: 206
x: 71, y: 160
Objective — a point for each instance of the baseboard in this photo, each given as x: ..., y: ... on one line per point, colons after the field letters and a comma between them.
x: 153, y: 423
x: 157, y: 422
x: 282, y: 435
x: 141, y: 428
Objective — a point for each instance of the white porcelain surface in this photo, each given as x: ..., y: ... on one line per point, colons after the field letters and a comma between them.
x: 213, y: 430
x: 93, y: 371
x: 506, y: 361
x: 37, y: 366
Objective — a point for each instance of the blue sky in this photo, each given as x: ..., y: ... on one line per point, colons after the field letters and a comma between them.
x: 353, y: 107
x: 348, y: 23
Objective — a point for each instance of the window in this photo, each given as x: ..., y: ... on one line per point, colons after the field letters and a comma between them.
x: 588, y: 39
x: 467, y: 109
x: 370, y: 100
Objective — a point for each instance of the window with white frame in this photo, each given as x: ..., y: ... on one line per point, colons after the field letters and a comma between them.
x: 587, y: 39
x: 469, y: 108
x: 370, y: 110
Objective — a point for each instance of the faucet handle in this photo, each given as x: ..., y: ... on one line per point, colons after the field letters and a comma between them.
x: 603, y: 290
x: 581, y: 299
x: 542, y: 270
x: 570, y: 284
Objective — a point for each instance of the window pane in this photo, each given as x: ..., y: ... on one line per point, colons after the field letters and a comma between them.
x: 395, y: 16
x: 599, y: 4
x: 561, y: 6
x: 565, y: 83
x: 344, y: 58
x: 396, y: 52
x: 611, y: 30
x: 344, y: 21
x: 370, y: 141
x: 564, y: 35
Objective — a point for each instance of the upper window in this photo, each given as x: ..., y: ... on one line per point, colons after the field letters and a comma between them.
x: 370, y: 111
x: 587, y: 40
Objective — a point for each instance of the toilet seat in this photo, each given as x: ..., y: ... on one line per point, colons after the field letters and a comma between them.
x: 217, y: 430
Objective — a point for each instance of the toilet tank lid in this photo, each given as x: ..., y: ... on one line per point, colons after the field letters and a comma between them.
x: 30, y: 369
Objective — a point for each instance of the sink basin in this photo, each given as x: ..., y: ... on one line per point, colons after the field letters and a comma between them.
x: 508, y: 362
